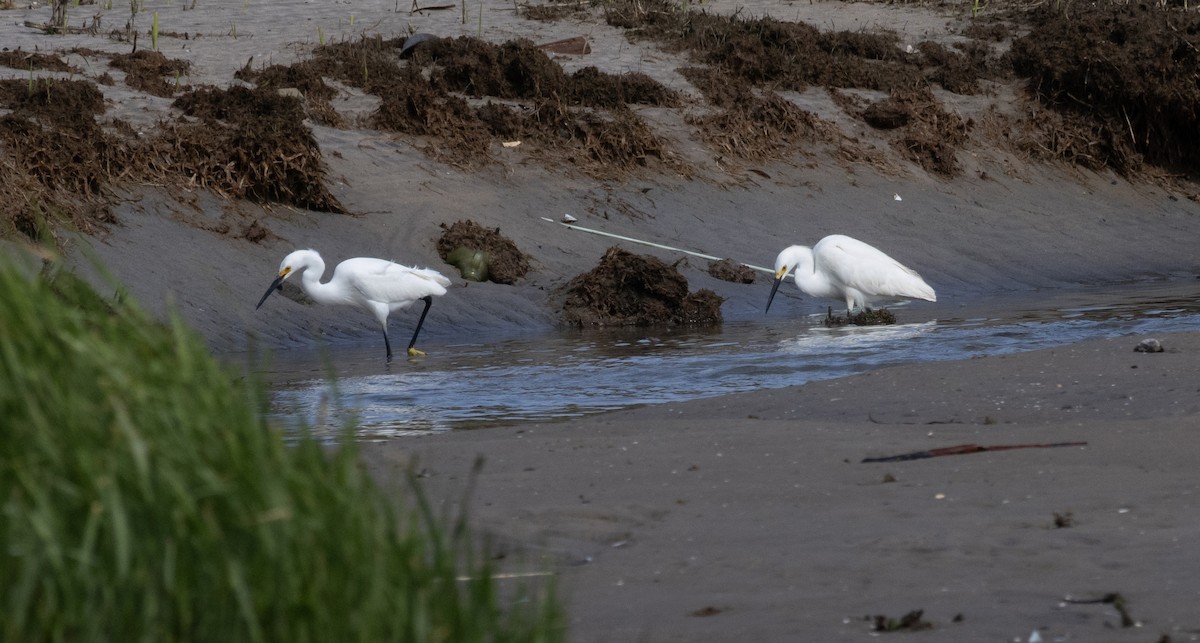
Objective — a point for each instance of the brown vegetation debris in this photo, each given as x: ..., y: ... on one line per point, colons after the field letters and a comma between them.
x: 594, y: 88
x: 925, y: 133
x: 786, y: 55
x: 580, y: 120
x: 147, y: 71
x: 505, y: 261
x: 246, y: 143
x: 910, y: 622
x: 27, y: 60
x: 415, y: 107
x: 952, y: 70
x: 866, y: 317
x: 306, y: 78
x: 515, y: 69
x: 553, y: 12
x: 626, y: 289
x: 887, y: 114
x: 729, y: 270
x: 751, y: 126
x: 55, y: 158
x: 52, y: 135
x: 370, y: 63
x: 1130, y: 68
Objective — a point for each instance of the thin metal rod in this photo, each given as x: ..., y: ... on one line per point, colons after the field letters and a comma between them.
x: 654, y: 245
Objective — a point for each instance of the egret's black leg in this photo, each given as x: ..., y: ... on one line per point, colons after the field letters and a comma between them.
x: 387, y: 344
x: 428, y: 299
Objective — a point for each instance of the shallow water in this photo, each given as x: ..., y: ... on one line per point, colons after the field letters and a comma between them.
x: 507, y: 379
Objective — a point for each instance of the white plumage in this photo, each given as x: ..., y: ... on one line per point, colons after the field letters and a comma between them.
x: 377, y: 286
x: 841, y: 267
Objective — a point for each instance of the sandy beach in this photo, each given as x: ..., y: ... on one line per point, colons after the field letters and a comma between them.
x: 748, y: 516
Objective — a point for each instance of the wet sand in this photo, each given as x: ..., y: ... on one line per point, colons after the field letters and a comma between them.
x: 749, y: 516
x: 753, y: 517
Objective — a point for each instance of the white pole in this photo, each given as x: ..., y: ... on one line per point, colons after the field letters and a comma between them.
x: 654, y: 245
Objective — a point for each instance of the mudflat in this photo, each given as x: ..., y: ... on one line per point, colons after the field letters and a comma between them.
x: 754, y: 515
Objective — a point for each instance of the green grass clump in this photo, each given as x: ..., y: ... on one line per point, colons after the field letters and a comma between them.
x: 143, y: 498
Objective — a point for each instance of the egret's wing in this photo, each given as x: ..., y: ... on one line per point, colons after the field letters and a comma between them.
x: 864, y: 267
x: 391, y: 283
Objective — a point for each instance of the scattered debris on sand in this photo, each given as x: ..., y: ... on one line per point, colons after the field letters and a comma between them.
x: 910, y: 622
x: 627, y: 289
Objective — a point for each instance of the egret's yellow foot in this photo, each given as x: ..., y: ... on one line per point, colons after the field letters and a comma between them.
x: 412, y: 352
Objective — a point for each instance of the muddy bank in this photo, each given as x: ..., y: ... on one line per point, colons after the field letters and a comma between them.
x: 753, y: 514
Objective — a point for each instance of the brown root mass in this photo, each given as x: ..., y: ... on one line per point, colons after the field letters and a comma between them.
x: 56, y: 157
x: 582, y: 119
x: 868, y: 317
x: 1125, y: 72
x: 729, y: 270
x: 148, y: 71
x: 750, y: 126
x: 246, y: 143
x: 920, y: 130
x: 506, y: 262
x: 306, y: 78
x: 626, y: 289
x: 27, y: 60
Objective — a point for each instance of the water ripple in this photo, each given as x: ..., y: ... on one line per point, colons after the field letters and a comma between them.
x: 569, y: 374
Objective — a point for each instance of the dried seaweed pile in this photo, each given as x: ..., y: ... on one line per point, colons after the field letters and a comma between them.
x: 505, y: 261
x: 626, y: 289
x: 148, y: 71
x: 582, y: 118
x: 752, y: 126
x: 60, y: 162
x: 56, y: 157
x: 1123, y: 77
x: 245, y: 143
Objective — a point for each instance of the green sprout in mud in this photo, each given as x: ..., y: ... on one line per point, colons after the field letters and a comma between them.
x: 320, y: 36
x: 154, y: 32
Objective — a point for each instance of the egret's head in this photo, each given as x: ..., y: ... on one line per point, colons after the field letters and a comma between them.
x: 291, y: 264
x: 785, y: 263
x: 295, y: 262
x: 790, y: 260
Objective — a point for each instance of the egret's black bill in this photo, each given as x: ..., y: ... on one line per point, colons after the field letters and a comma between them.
x: 774, y: 289
x: 274, y: 284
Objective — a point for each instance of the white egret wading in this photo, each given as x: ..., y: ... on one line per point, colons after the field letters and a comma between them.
x: 377, y: 286
x: 841, y: 267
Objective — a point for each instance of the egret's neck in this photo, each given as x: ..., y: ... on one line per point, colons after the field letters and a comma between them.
x: 310, y: 280
x: 812, y: 280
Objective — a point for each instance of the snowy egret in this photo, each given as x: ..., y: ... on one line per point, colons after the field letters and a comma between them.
x: 374, y: 285
x: 841, y: 267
